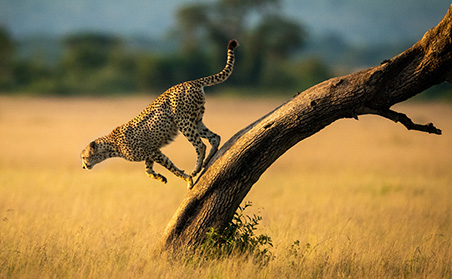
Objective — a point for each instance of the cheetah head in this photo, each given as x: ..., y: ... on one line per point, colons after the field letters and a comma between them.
x: 95, y: 153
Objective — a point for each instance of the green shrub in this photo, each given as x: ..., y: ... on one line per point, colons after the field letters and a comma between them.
x: 238, y: 238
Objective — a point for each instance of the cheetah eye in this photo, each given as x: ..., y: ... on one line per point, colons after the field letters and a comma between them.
x: 93, y: 145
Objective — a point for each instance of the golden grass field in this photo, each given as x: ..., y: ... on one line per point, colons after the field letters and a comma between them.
x: 365, y: 199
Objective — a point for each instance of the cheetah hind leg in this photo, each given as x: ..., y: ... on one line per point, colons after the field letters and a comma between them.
x: 213, y: 138
x: 190, y: 131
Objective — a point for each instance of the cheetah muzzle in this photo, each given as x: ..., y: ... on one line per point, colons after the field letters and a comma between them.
x: 178, y: 109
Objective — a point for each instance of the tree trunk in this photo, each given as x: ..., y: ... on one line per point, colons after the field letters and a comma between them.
x: 240, y: 162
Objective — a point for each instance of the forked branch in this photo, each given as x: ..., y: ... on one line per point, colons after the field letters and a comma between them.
x: 241, y: 161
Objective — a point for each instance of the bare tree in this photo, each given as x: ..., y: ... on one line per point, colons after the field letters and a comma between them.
x: 241, y: 161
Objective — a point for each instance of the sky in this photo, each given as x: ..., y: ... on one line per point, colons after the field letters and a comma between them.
x: 360, y: 21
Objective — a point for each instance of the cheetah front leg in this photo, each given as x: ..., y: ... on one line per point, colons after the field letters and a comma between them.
x: 163, y: 160
x: 152, y: 174
x: 213, y: 138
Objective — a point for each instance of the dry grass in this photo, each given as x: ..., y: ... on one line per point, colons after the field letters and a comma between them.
x: 361, y: 199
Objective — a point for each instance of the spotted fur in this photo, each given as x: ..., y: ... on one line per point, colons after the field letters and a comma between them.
x: 180, y: 108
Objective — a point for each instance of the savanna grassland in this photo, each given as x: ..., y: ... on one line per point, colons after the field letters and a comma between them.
x: 360, y: 199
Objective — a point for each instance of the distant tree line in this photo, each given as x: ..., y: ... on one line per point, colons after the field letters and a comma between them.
x: 268, y: 58
x: 102, y: 63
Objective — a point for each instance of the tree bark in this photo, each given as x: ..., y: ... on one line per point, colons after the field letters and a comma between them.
x: 240, y: 162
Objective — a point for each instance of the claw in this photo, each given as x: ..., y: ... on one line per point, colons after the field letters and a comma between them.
x: 162, y: 179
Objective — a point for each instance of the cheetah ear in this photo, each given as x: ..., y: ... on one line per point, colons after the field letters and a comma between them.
x: 93, y: 145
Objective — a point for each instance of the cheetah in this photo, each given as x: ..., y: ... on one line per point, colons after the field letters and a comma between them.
x: 180, y: 108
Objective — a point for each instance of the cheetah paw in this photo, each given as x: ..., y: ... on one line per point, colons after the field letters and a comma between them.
x: 195, y: 172
x: 189, y: 182
x: 158, y: 177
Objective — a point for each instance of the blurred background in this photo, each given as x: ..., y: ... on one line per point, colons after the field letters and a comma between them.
x: 360, y: 199
x: 103, y: 47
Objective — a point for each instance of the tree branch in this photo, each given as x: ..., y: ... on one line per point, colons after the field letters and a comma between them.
x: 240, y: 162
x: 403, y: 119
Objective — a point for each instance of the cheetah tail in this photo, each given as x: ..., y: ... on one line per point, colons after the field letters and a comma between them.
x: 226, y: 72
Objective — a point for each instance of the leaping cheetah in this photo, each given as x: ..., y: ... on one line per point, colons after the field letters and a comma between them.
x: 180, y: 108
